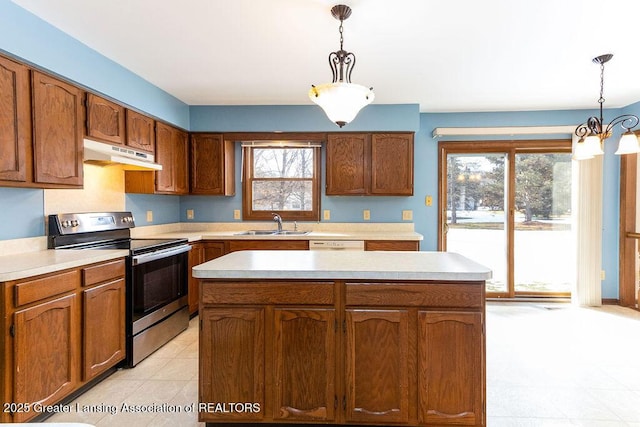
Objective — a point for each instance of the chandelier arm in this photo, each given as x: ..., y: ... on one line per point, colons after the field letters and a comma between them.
x: 350, y: 63
x: 627, y: 121
x: 334, y: 63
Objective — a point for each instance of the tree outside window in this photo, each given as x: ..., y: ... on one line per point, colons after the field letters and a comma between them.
x: 283, y: 180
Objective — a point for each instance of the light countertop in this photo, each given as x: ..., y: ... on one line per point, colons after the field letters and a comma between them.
x: 342, y: 265
x: 19, y: 266
x: 194, y: 236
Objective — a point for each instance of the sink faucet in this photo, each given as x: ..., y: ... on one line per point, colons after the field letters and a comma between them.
x: 278, y: 219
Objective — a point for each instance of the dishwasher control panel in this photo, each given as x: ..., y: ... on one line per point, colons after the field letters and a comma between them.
x: 336, y: 245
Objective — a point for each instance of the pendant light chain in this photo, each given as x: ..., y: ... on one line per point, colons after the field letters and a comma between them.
x: 601, y: 100
x: 341, y: 36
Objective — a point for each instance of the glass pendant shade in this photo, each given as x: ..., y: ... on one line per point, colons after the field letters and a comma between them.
x: 628, y: 144
x: 593, y: 146
x: 341, y: 102
x: 580, y: 152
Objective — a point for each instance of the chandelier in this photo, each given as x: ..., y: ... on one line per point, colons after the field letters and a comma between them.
x: 593, y: 132
x: 341, y: 100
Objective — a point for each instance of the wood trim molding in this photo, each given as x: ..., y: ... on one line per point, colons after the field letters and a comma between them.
x: 628, y: 234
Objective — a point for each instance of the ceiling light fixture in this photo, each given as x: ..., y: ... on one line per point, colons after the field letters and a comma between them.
x: 341, y: 100
x: 593, y: 133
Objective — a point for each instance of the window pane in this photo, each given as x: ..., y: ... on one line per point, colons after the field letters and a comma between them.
x: 283, y: 162
x: 282, y: 195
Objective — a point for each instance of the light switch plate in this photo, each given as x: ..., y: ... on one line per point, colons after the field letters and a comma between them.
x: 407, y: 215
x: 189, y: 213
x: 149, y: 216
x: 366, y: 214
x: 236, y: 214
x: 327, y: 215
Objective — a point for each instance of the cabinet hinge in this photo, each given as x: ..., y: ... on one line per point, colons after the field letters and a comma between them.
x: 344, y: 403
x: 344, y: 326
x: 335, y: 328
x: 335, y: 402
x: 12, y: 330
x: 200, y: 323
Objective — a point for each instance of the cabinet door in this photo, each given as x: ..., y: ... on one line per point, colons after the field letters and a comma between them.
x: 392, y: 164
x: 232, y: 362
x: 348, y: 168
x: 304, y: 358
x: 181, y: 161
x: 46, y: 352
x: 212, y: 165
x: 263, y: 245
x: 140, y: 131
x: 450, y: 368
x: 213, y: 250
x: 391, y: 245
x: 15, y: 121
x: 196, y: 257
x: 377, y: 366
x: 57, y: 131
x: 164, y: 155
x: 103, y: 327
x: 105, y: 120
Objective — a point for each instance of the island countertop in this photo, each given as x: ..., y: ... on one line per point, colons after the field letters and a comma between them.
x: 341, y: 265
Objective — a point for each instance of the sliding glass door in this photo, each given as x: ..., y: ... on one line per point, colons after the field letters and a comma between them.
x: 507, y: 205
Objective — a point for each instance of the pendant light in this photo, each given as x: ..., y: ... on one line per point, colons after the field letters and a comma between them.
x: 592, y: 133
x: 341, y: 100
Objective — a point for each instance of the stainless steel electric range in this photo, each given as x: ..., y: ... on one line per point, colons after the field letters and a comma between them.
x: 156, y: 278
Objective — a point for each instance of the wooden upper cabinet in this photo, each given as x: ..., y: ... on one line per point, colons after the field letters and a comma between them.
x: 58, y: 118
x: 140, y: 131
x: 392, y: 164
x: 172, y: 153
x: 370, y: 164
x: 212, y: 165
x: 105, y: 120
x: 15, y: 122
x: 348, y: 170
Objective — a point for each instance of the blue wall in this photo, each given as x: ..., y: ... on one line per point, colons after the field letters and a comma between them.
x: 21, y: 213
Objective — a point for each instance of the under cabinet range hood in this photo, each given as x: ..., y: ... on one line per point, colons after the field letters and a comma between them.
x: 99, y: 153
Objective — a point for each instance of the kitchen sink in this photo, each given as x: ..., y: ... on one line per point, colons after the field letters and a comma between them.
x: 256, y: 233
x: 272, y: 233
x: 291, y: 233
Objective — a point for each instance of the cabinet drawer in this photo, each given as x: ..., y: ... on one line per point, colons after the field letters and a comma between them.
x: 391, y: 245
x: 316, y: 293
x: 426, y: 294
x: 102, y: 272
x: 45, y: 287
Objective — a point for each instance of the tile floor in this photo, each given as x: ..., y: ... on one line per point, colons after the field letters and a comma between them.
x: 547, y: 365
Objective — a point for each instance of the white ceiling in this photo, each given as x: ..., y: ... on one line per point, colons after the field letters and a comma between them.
x: 446, y: 55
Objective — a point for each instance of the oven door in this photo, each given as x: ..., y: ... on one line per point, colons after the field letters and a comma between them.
x: 158, y: 279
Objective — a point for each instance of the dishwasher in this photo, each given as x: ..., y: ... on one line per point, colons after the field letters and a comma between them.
x: 336, y: 245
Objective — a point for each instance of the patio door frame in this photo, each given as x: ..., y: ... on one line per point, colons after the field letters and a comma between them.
x: 510, y: 149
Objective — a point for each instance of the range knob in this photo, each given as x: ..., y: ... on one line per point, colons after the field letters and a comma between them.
x: 74, y: 223
x: 65, y: 224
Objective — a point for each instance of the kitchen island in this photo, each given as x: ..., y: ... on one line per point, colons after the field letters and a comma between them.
x: 334, y: 337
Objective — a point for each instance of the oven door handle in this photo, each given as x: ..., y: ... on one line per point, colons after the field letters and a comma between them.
x: 164, y: 253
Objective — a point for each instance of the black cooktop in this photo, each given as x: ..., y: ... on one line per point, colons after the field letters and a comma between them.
x: 135, y: 246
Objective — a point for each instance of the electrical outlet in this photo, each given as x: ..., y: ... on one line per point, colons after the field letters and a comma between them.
x: 149, y: 216
x: 189, y: 213
x: 407, y: 215
x: 428, y: 201
x: 236, y: 214
x: 327, y: 215
x: 602, y: 275
x: 366, y: 214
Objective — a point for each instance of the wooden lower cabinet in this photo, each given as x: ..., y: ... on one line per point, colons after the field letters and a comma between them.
x: 59, y: 331
x: 305, y: 363
x: 103, y: 329
x: 46, y: 353
x: 377, y: 366
x: 445, y: 364
x: 366, y: 353
x: 232, y: 357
